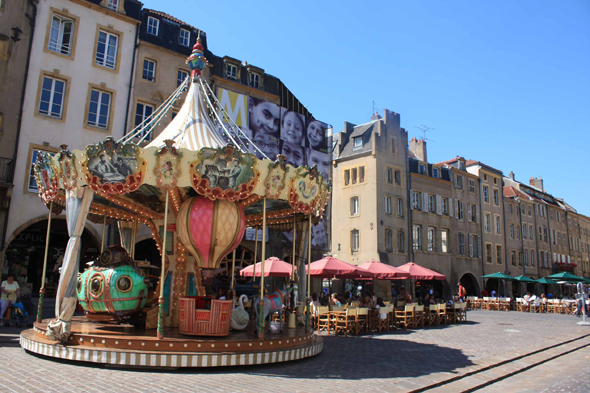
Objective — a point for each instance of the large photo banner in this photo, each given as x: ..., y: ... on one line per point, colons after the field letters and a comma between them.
x: 275, y: 130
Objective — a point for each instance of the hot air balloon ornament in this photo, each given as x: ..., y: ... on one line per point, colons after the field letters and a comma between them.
x: 210, y: 230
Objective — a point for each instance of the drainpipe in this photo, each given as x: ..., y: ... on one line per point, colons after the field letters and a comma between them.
x: 135, y: 46
x: 32, y: 20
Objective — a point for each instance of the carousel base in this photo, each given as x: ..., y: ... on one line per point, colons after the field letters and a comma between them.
x: 125, y: 346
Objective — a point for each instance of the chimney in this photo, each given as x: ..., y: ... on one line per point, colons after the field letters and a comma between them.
x: 537, y: 182
x: 418, y: 147
x: 375, y: 116
x: 511, y: 175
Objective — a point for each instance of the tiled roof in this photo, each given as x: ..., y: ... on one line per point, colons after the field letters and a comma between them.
x: 171, y: 18
x: 471, y: 162
x: 449, y: 161
x: 511, y: 192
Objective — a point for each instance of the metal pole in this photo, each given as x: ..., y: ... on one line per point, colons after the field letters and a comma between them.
x: 293, y: 255
x: 104, y: 230
x: 255, y: 254
x: 307, y: 311
x: 42, y: 290
x: 233, y: 273
x: 263, y: 256
x: 163, y: 275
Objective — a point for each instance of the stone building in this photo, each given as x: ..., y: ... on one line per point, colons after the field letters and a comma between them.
x: 17, y: 21
x: 78, y: 85
x: 370, y: 194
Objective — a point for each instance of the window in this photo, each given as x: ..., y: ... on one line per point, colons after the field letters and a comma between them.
x: 32, y: 185
x: 389, y: 175
x: 416, y: 200
x: 487, y: 222
x: 184, y: 37
x: 513, y: 258
x: 358, y: 142
x: 525, y: 257
x: 471, y: 241
x: 486, y: 196
x: 99, y: 109
x: 354, y: 240
x: 435, y: 173
x: 472, y: 186
x: 531, y: 232
x: 498, y: 254
x: 347, y: 177
x: 431, y: 204
x: 143, y: 112
x: 444, y: 240
x: 431, y: 239
x: 518, y: 232
x: 461, y: 243
x: 553, y: 238
x: 400, y: 207
x: 532, y: 258
x: 401, y: 241
x: 180, y: 77
x: 511, y: 231
x: 398, y: 178
x: 416, y: 237
x: 422, y: 169
x: 529, y: 211
x: 149, y: 70
x: 524, y: 236
x: 388, y: 240
x: 489, y: 258
x: 153, y: 25
x: 231, y: 72
x: 459, y: 210
x: 387, y: 204
x: 459, y: 182
x: 354, y: 206
x: 540, y: 233
x: 52, y: 97
x: 354, y: 175
x: 495, y: 180
x: 445, y: 206
x: 472, y: 213
x: 113, y: 5
x: 61, y: 35
x: 255, y: 82
x: 520, y: 258
x: 497, y: 197
x: 361, y: 174
x: 106, y: 49
x: 485, y: 177
x: 497, y: 222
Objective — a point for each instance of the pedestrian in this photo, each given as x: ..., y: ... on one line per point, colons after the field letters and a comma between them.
x: 462, y: 293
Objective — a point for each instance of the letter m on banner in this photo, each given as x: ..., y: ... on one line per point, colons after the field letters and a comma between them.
x: 236, y: 106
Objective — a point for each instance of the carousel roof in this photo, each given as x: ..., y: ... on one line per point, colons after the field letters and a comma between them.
x: 192, y: 127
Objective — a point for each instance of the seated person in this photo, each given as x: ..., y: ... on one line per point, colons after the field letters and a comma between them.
x: 378, y: 305
x: 334, y: 300
x: 315, y: 304
x: 10, y: 293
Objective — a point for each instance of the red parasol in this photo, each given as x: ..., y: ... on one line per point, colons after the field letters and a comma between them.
x: 330, y: 267
x: 273, y: 267
x: 421, y: 273
x: 383, y: 271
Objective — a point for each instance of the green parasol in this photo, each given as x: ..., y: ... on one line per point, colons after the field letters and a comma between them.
x: 499, y: 276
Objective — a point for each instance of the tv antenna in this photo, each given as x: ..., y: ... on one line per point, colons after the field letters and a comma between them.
x: 424, y: 129
x: 374, y: 109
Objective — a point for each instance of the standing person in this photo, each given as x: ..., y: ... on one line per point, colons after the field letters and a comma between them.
x: 462, y: 293
x: 10, y: 292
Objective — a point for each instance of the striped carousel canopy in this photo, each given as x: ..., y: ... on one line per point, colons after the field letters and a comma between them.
x: 191, y: 128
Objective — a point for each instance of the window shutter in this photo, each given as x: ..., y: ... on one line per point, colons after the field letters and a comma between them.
x: 450, y: 207
x: 438, y: 205
x: 477, y: 214
x: 411, y: 199
x: 456, y: 209
x: 479, y: 247
x: 469, y: 210
x: 424, y: 202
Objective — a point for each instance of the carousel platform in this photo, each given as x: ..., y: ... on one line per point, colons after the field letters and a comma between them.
x: 123, y: 345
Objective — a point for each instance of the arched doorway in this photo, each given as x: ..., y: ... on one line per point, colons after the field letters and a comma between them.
x: 470, y: 283
x: 25, y: 252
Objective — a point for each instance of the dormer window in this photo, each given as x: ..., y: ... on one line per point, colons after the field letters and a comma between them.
x: 231, y: 72
x: 153, y: 26
x: 113, y: 5
x: 255, y: 80
x: 462, y: 165
x: 422, y: 169
x: 184, y: 37
x: 358, y: 142
x: 435, y: 173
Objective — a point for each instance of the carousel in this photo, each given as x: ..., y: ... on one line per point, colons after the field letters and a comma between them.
x: 197, y: 186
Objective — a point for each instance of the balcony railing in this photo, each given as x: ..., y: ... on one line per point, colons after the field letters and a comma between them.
x: 6, y: 170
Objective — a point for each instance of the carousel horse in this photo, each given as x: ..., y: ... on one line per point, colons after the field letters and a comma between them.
x: 273, y: 303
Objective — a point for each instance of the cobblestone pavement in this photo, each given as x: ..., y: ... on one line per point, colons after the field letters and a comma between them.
x: 400, y: 361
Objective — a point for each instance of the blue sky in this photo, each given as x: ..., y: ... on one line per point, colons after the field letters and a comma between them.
x: 503, y: 82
